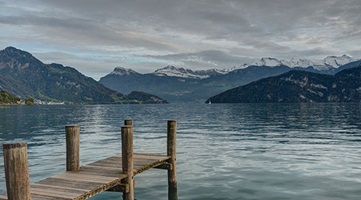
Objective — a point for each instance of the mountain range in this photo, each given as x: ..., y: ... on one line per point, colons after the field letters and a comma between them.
x: 23, y: 75
x: 328, y: 63
x: 186, y: 85
x: 298, y: 86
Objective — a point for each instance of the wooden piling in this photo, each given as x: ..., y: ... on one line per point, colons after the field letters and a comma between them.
x: 128, y: 122
x: 171, y: 151
x: 72, y: 147
x: 16, y: 171
x: 127, y: 160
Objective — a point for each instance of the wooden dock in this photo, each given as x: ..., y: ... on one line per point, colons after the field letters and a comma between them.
x: 114, y: 173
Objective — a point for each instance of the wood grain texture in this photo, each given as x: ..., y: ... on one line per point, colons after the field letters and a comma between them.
x: 127, y: 160
x: 171, y: 151
x: 16, y: 171
x: 72, y: 147
x: 91, y: 179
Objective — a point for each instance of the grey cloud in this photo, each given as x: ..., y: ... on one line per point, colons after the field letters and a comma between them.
x: 200, y: 34
x: 204, y: 59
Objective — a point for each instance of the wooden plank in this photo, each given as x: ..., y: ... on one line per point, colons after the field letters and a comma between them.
x: 100, y: 170
x: 107, y: 163
x: 111, y: 159
x: 84, y: 177
x: 93, y: 170
x: 119, y: 168
x: 72, y: 184
x: 150, y: 156
x: 41, y: 197
x: 104, y: 174
x: 54, y: 193
x: 151, y: 165
x: 58, y: 188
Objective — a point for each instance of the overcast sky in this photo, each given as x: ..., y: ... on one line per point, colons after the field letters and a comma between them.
x: 95, y: 36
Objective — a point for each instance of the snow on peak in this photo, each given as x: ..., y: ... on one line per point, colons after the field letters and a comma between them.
x: 120, y: 71
x: 300, y: 63
x: 271, y: 62
x: 186, y: 73
x: 326, y: 64
x: 337, y: 61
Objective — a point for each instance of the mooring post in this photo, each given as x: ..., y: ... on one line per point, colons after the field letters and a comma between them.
x: 72, y: 147
x: 128, y: 122
x: 16, y: 171
x: 171, y: 151
x: 127, y: 160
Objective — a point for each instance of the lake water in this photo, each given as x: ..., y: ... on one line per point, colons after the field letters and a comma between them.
x: 224, y: 151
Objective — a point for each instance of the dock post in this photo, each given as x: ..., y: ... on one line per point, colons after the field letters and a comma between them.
x: 128, y: 122
x: 127, y: 160
x: 72, y: 147
x: 171, y: 151
x: 17, y: 171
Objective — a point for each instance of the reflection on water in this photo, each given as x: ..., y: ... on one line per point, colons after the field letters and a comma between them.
x: 225, y: 151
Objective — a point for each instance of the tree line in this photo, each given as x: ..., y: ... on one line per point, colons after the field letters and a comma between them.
x: 9, y: 99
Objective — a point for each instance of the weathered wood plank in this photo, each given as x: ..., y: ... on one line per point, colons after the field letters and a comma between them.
x: 117, y: 173
x: 149, y: 156
x: 91, y: 179
x: 54, y: 193
x: 84, y: 177
x: 97, y: 167
x: 72, y: 184
x: 150, y: 165
x: 41, y: 197
x: 58, y: 188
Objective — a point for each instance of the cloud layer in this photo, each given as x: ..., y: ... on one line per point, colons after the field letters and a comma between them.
x: 96, y: 36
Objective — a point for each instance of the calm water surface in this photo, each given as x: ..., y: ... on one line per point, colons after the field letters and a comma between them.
x: 225, y: 151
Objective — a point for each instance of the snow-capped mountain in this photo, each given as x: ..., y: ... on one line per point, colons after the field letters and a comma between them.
x: 327, y: 63
x: 187, y: 73
x: 271, y: 62
x: 304, y: 63
x: 274, y: 62
x: 186, y: 85
x: 336, y: 62
x: 120, y: 71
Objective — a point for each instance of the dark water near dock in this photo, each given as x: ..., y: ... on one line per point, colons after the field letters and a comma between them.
x: 225, y: 151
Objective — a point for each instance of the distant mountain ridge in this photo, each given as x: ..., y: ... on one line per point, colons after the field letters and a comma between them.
x: 187, y: 73
x: 298, y: 86
x: 24, y: 75
x: 329, y: 63
x: 186, y: 85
